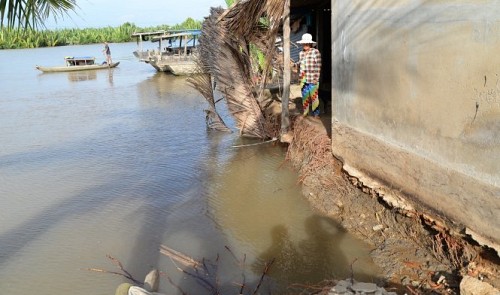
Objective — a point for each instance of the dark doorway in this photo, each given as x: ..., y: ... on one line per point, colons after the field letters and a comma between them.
x: 314, y: 17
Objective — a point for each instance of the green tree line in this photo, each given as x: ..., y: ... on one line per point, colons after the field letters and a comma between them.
x: 15, y: 38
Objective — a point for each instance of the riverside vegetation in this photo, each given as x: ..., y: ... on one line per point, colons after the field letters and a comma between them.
x: 12, y: 38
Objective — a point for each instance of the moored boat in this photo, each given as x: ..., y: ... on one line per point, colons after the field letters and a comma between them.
x: 141, y: 53
x: 77, y: 64
x: 176, y: 51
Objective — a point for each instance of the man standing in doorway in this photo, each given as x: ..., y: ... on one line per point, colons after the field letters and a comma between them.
x: 310, y: 67
x: 107, y: 53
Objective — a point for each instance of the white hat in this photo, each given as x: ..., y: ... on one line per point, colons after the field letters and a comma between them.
x: 306, y: 39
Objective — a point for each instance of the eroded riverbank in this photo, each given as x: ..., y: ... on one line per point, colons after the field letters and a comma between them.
x: 417, y: 255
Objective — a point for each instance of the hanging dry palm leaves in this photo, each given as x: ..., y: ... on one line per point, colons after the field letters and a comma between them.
x: 225, y: 54
x: 230, y: 66
x: 203, y: 83
x: 245, y: 21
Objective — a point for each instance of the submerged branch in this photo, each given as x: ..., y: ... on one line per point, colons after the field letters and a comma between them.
x: 123, y: 272
x: 264, y: 273
x: 205, y: 273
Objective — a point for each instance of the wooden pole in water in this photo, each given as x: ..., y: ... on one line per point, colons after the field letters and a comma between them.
x: 185, y: 45
x: 159, y: 48
x: 285, y: 117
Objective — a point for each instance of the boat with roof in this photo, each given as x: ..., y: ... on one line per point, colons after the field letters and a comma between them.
x: 175, y: 52
x: 80, y: 63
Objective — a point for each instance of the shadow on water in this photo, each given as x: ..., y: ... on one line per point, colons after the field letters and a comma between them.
x: 263, y: 217
x: 318, y: 255
x: 294, y: 266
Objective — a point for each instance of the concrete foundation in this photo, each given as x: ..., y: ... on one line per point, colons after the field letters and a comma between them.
x: 416, y: 105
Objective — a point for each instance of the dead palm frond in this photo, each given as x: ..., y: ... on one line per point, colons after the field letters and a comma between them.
x: 229, y: 64
x: 246, y: 22
x: 203, y: 83
x: 225, y: 51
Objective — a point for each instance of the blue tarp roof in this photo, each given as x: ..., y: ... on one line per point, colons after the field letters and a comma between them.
x: 79, y: 57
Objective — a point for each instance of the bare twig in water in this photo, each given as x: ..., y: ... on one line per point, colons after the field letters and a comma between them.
x: 217, y: 273
x: 264, y: 273
x: 164, y: 274
x: 241, y: 264
x: 117, y: 263
x: 205, y: 273
x: 232, y: 253
x: 243, y: 277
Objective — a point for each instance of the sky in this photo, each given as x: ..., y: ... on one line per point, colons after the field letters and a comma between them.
x: 143, y: 13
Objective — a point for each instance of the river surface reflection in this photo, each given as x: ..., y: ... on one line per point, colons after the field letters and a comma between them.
x: 119, y: 161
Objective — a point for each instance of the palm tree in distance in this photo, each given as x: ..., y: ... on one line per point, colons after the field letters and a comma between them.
x: 30, y: 14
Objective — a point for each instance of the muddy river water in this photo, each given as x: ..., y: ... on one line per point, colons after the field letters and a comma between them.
x: 118, y: 162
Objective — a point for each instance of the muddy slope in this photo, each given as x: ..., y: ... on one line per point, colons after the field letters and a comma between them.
x: 417, y: 255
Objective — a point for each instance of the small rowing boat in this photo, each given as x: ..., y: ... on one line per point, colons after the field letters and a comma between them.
x: 78, y: 64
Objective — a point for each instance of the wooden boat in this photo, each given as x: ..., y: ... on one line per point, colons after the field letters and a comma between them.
x: 141, y: 37
x: 77, y: 64
x: 176, y: 51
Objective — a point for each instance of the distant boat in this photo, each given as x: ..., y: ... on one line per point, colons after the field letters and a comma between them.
x: 140, y: 53
x: 78, y: 64
x: 176, y: 51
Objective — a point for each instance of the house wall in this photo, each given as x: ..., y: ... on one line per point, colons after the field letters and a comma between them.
x: 416, y: 105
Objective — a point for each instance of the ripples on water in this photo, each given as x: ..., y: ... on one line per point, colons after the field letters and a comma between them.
x: 118, y: 162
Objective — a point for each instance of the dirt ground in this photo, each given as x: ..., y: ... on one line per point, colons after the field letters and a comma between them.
x: 417, y: 257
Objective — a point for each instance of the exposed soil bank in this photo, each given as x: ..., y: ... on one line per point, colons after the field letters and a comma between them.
x: 418, y: 256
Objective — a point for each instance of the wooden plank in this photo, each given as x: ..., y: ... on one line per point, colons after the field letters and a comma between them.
x: 285, y: 116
